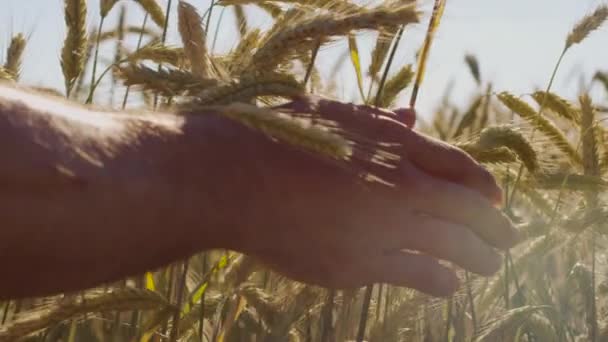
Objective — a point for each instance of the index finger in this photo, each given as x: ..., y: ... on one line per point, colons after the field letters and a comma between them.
x: 445, y: 161
x: 456, y: 203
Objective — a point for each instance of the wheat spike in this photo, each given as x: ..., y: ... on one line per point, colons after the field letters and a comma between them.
x: 295, y: 132
x: 5, y: 75
x: 242, y: 53
x: 240, y: 19
x: 588, y: 136
x: 557, y: 105
x: 540, y: 327
x: 394, y: 86
x: 527, y: 113
x: 154, y: 10
x: 504, y: 136
x: 170, y: 82
x: 489, y: 156
x: 602, y: 77
x: 469, y: 117
x: 137, y: 30
x: 193, y: 37
x: 158, y: 53
x: 426, y: 47
x: 282, y: 43
x: 14, y: 54
x: 106, y: 6
x: 568, y: 181
x: 75, y: 45
x: 123, y: 299
x: 250, y: 87
x: 587, y: 25
x: 473, y: 65
x: 381, y: 49
x: 239, y: 270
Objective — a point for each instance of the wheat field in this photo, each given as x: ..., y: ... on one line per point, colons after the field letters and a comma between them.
x: 547, y: 150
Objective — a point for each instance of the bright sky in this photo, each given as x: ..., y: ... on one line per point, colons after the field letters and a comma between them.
x: 516, y: 41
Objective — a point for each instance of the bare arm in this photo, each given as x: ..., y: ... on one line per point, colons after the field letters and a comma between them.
x: 89, y: 197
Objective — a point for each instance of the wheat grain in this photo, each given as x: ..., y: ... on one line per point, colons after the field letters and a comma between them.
x: 294, y: 132
x: 281, y: 43
x: 75, y: 45
x: 426, y: 47
x: 190, y: 26
x: 587, y: 25
x: 504, y: 136
x: 250, y: 87
x: 473, y: 65
x: 167, y: 81
x: 557, y: 105
x: 106, y: 6
x: 154, y: 10
x: 14, y: 54
x: 123, y: 299
x: 526, y: 112
x: 158, y: 53
x: 394, y: 86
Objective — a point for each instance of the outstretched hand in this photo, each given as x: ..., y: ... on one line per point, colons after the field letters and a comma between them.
x: 319, y: 224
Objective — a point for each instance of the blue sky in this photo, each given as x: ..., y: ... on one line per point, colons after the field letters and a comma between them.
x: 517, y: 43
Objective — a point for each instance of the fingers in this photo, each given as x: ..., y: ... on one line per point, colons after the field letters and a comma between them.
x: 447, y: 241
x: 445, y: 161
x: 456, y: 203
x: 415, y: 271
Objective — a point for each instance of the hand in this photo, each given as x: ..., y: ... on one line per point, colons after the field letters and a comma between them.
x: 321, y: 224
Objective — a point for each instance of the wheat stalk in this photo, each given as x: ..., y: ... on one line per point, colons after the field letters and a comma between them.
x: 190, y: 26
x: 426, y: 47
x: 123, y: 299
x: 284, y: 41
x: 505, y: 136
x: 14, y: 54
x: 541, y: 123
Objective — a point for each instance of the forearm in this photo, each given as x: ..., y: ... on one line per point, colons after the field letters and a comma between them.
x: 95, y: 197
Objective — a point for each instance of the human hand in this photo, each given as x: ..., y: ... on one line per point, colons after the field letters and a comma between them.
x: 320, y: 224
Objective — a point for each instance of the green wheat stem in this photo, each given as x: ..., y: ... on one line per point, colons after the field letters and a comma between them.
x: 209, y: 13
x: 95, y: 59
x: 201, y: 324
x: 139, y: 42
x: 313, y: 58
x: 367, y: 298
x: 387, y: 68
x: 471, y: 302
x: 540, y: 113
x: 181, y: 287
x: 163, y: 41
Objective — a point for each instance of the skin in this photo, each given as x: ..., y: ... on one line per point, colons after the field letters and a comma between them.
x: 90, y: 197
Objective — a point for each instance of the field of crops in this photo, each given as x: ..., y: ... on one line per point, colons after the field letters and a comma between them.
x: 547, y: 150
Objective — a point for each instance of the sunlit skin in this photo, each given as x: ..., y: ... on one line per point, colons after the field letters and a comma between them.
x: 90, y: 197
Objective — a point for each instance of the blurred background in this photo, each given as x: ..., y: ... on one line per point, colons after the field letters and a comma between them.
x: 516, y: 42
